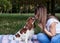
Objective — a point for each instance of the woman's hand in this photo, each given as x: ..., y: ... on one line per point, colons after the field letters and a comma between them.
x: 41, y: 26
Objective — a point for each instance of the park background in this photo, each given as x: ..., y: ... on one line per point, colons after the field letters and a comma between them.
x: 14, y: 13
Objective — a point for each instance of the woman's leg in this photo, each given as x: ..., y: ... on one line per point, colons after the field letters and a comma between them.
x: 43, y: 38
x: 55, y: 39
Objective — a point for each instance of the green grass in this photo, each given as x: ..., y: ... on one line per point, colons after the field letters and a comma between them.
x: 11, y: 23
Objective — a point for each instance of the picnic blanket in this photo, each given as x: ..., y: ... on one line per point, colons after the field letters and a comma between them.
x: 9, y: 39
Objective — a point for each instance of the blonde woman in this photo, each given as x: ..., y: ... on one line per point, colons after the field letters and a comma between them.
x: 49, y: 25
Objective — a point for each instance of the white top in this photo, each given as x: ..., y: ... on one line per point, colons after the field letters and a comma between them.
x: 50, y: 21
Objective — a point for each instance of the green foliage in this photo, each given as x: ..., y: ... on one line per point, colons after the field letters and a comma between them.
x: 5, y: 5
x: 14, y: 6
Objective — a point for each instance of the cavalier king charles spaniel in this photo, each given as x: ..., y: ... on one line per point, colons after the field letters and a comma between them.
x: 26, y: 33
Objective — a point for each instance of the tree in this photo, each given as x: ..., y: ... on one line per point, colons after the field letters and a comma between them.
x: 5, y: 5
x: 53, y: 7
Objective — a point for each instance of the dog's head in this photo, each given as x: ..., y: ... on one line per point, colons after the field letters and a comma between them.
x: 30, y: 20
x: 30, y: 23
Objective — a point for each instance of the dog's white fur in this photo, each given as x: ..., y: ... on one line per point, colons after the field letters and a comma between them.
x: 25, y: 36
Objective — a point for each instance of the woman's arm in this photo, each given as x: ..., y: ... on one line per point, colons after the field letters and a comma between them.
x: 40, y: 25
x: 52, y: 30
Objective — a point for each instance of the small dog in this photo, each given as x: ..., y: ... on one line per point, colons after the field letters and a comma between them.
x: 26, y: 32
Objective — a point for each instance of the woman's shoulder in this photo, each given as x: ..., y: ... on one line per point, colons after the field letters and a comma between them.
x: 51, y: 20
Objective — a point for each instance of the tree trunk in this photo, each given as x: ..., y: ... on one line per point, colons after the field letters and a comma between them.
x: 53, y: 7
x: 48, y: 4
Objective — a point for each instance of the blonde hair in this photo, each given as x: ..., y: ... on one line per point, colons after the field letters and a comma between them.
x: 42, y: 12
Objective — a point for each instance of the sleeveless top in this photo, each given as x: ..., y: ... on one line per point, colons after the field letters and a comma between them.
x: 50, y: 21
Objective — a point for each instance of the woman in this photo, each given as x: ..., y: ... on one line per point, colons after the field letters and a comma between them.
x: 49, y: 26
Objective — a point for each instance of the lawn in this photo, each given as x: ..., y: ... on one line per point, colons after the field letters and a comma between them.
x: 11, y: 23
